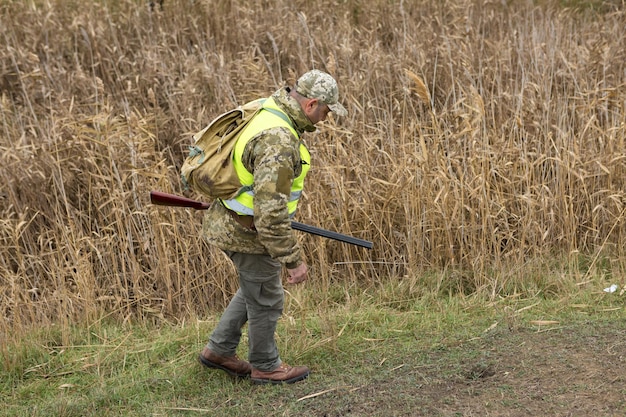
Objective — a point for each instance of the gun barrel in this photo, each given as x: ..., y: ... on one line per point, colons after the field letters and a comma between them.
x: 331, y: 235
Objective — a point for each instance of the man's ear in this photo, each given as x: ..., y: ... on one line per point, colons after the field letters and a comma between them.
x: 311, y: 103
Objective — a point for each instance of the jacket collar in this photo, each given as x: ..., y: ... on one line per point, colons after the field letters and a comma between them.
x: 291, y: 106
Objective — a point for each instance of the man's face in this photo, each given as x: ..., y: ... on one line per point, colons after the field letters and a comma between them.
x: 316, y: 111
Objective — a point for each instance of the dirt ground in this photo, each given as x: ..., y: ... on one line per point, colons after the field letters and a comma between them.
x: 555, y: 371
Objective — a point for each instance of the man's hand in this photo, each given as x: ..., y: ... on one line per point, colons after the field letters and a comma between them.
x: 298, y: 274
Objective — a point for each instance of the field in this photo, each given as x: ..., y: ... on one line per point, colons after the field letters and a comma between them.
x: 483, y: 154
x: 434, y: 358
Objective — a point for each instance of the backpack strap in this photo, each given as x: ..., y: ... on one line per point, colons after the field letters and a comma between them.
x: 282, y: 116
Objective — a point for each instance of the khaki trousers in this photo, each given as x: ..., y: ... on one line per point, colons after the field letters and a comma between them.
x: 259, y: 302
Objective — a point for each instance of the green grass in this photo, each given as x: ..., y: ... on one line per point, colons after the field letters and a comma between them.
x: 112, y: 370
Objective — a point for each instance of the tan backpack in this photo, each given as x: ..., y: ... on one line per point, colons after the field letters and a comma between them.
x: 209, y: 167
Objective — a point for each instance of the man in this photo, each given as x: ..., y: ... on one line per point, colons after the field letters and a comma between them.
x: 254, y: 229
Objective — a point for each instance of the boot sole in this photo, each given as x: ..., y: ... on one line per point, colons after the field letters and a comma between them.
x: 214, y: 365
x: 261, y: 381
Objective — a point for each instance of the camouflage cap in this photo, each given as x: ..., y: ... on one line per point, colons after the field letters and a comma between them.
x: 320, y: 85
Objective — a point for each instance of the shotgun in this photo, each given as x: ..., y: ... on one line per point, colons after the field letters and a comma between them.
x: 165, y: 199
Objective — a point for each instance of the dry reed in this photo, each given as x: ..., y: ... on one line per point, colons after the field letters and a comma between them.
x: 482, y: 138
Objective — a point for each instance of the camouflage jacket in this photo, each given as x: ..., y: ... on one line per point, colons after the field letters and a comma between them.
x: 273, y: 157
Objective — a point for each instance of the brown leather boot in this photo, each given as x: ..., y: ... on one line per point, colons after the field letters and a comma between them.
x: 284, y: 374
x: 232, y: 365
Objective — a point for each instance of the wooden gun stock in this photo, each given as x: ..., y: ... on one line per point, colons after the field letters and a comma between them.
x: 165, y: 199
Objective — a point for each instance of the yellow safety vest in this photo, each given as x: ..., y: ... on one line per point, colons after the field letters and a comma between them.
x: 271, y: 116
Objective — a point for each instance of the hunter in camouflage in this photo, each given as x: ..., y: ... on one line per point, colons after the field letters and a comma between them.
x: 261, y: 245
x: 272, y: 185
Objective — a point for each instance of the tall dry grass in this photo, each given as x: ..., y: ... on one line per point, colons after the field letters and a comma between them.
x: 484, y: 139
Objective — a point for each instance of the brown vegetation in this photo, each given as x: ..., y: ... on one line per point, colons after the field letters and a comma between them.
x: 483, y: 138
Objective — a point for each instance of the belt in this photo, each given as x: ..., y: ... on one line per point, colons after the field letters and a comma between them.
x: 244, y: 220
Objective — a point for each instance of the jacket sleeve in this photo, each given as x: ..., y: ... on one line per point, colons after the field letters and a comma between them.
x: 273, y: 158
